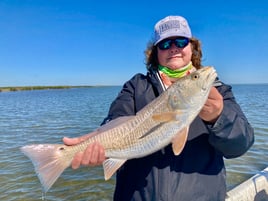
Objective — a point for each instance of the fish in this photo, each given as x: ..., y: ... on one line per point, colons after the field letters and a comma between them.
x: 163, y: 121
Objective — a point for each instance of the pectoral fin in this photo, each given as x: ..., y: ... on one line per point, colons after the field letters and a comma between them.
x: 111, y: 165
x: 178, y: 142
x: 167, y: 116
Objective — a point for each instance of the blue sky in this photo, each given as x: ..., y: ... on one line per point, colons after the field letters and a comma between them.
x: 83, y: 42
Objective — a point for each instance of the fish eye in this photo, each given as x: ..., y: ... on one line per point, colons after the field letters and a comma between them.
x: 195, y: 76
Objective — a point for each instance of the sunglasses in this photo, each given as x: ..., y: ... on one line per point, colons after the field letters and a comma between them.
x: 179, y: 42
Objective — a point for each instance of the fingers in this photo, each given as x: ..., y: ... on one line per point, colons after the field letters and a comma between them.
x: 77, y: 140
x: 214, y: 94
x: 77, y: 160
x: 213, y: 106
x: 74, y: 141
x: 71, y: 141
x: 92, y: 156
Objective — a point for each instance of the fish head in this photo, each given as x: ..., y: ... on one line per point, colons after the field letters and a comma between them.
x: 192, y: 90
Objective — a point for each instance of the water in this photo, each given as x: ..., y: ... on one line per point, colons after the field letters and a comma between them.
x: 46, y: 116
x: 253, y: 101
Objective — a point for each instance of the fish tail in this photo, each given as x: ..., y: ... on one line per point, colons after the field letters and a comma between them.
x: 49, y: 162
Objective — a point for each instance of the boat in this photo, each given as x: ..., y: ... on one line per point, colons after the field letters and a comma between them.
x: 253, y: 189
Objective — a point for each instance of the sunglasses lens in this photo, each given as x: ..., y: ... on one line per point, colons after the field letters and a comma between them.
x: 165, y: 44
x: 181, y: 42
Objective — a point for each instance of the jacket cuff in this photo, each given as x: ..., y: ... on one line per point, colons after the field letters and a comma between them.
x: 224, y: 122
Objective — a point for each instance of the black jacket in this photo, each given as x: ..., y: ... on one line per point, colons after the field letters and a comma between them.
x: 198, y: 173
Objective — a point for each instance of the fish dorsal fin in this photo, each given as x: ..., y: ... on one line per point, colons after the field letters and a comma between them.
x: 178, y: 142
x: 114, y: 123
x: 166, y: 116
x: 111, y: 165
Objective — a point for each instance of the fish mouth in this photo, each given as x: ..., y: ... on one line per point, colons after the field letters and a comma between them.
x: 214, y: 75
x: 211, y: 76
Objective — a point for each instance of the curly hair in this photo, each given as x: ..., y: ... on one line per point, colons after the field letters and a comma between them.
x: 152, y: 60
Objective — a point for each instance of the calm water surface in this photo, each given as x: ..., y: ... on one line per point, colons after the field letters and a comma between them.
x: 46, y: 116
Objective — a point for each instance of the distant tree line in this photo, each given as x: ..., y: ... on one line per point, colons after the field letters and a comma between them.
x: 3, y: 89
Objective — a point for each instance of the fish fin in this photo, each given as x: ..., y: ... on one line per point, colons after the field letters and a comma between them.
x: 47, y: 161
x: 166, y: 116
x: 178, y: 142
x: 111, y: 165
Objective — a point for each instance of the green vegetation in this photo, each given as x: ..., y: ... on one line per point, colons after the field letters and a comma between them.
x: 5, y: 89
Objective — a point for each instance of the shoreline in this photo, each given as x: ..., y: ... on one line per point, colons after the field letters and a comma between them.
x: 29, y: 88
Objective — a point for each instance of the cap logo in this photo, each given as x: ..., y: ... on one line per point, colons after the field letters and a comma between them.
x: 169, y: 25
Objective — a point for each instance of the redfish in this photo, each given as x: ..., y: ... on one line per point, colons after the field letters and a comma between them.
x: 163, y: 121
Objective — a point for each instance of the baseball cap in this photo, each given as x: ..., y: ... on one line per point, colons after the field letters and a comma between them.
x: 171, y: 26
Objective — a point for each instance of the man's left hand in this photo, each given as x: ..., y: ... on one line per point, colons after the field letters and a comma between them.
x: 213, y: 106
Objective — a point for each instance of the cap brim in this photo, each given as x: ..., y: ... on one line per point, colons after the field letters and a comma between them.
x: 171, y: 35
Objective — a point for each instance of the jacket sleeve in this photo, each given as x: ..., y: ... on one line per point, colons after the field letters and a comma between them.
x: 231, y: 135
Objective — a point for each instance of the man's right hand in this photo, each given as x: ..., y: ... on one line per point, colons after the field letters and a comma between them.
x: 93, y: 155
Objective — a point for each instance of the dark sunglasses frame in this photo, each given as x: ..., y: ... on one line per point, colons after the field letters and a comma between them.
x: 179, y: 42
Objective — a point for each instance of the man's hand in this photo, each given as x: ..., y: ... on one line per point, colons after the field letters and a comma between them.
x: 93, y: 155
x: 213, y: 106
